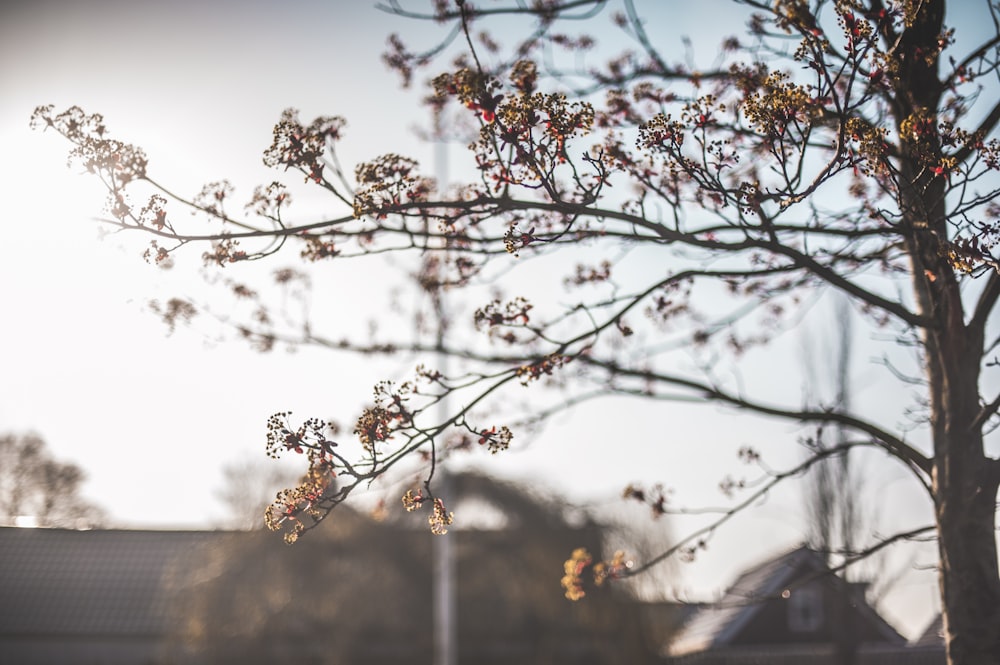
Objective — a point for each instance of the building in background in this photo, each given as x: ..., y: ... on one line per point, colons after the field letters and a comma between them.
x: 359, y: 591
x: 789, y: 610
x: 353, y: 591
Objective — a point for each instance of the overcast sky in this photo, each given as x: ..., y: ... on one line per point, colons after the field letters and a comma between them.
x: 153, y: 418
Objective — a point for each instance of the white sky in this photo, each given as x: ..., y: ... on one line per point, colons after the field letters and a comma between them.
x: 152, y: 419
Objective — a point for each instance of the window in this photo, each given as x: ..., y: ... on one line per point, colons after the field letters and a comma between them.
x: 805, y: 609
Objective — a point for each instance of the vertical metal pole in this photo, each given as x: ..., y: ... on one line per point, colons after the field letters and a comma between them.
x: 445, y: 637
x: 445, y: 633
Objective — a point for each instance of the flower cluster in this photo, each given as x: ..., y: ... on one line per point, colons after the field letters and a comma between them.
x: 729, y: 486
x: 72, y: 123
x: 212, y: 197
x: 440, y: 519
x: 700, y: 112
x: 154, y: 213
x: 524, y: 76
x: 494, y: 440
x: 317, y: 248
x: 389, y: 413
x: 856, y: 30
x: 871, y: 149
x: 298, y: 146
x: 602, y: 571
x: 614, y: 569
x: 309, y: 436
x: 795, y: 14
x: 157, y: 254
x: 656, y: 497
x: 514, y: 239
x: 513, y: 312
x: 120, y: 162
x: 534, y: 126
x: 118, y: 205
x: 778, y: 104
x: 919, y: 128
x: 473, y: 89
x: 589, y: 274
x: 573, y: 569
x: 268, y: 201
x: 618, y: 111
x: 288, y: 276
x: 988, y: 151
x: 529, y: 138
x: 429, y: 375
x: 969, y: 255
x: 544, y: 367
x: 661, y: 133
x: 400, y: 60
x: 670, y: 301
x: 386, y: 182
x: 931, y: 136
x: 290, y: 505
x: 552, y: 116
x: 412, y: 501
x: 224, y: 252
x: 175, y: 309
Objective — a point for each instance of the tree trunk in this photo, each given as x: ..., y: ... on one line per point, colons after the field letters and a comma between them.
x: 970, y: 590
x: 965, y: 480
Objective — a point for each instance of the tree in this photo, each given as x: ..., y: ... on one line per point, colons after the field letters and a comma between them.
x: 833, y: 491
x: 832, y: 495
x: 35, y: 485
x: 358, y: 592
x: 246, y: 491
x: 836, y: 145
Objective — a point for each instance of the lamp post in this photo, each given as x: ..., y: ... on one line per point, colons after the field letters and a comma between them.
x: 445, y: 629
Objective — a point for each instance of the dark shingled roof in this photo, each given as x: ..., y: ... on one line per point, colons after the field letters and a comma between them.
x: 94, y: 583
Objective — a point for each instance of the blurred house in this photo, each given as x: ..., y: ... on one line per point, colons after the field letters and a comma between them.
x: 932, y: 637
x: 89, y: 596
x: 789, y: 610
x: 359, y: 591
x: 352, y: 591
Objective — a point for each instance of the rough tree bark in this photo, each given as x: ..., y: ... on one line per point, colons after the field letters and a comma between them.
x: 964, y: 480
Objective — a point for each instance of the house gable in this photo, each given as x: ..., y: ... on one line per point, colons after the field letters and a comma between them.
x: 791, y: 599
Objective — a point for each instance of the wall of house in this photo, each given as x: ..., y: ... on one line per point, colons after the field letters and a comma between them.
x: 811, y: 654
x: 774, y: 624
x: 771, y: 626
x: 86, y: 650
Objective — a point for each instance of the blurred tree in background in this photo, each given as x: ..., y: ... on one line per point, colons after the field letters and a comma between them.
x: 41, y: 490
x: 247, y: 489
x: 357, y: 591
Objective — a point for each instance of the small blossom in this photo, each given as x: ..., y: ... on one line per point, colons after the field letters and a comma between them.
x: 573, y: 569
x: 440, y: 519
x: 413, y: 501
